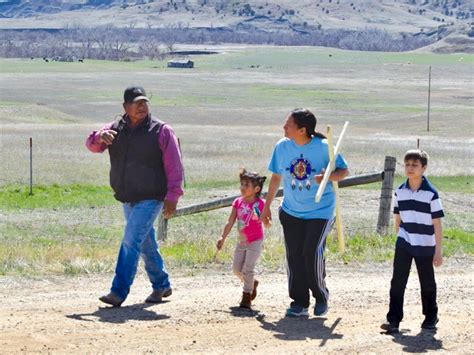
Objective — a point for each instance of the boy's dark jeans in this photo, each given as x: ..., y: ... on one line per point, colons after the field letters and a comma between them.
x: 401, y: 271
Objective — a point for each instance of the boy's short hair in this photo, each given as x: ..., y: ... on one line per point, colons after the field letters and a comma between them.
x: 417, y: 154
x: 254, y: 178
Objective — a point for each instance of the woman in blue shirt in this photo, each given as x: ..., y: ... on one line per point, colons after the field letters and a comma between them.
x: 298, y: 161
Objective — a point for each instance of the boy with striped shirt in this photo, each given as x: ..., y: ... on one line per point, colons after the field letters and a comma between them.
x: 417, y: 212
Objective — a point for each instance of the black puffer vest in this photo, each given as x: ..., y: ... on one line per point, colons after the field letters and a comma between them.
x: 136, y: 161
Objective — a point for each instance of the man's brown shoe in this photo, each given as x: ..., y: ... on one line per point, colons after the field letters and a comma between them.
x: 246, y: 300
x: 157, y: 295
x: 254, y: 292
x: 112, y: 299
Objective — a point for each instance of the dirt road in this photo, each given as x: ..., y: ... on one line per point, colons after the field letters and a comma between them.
x: 63, y: 315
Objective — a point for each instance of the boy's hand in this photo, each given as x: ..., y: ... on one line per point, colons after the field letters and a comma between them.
x: 220, y: 243
x: 438, y: 259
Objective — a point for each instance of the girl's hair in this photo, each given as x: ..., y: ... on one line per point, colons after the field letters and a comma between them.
x: 254, y: 178
x: 305, y: 118
x: 417, y: 154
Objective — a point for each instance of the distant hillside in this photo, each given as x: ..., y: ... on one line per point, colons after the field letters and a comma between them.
x: 428, y: 19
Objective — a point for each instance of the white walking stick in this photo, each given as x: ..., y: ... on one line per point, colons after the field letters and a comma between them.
x: 330, y: 168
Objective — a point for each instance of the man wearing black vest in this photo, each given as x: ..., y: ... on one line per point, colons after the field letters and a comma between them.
x: 146, y: 174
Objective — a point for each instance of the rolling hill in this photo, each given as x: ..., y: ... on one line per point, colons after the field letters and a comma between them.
x: 432, y: 19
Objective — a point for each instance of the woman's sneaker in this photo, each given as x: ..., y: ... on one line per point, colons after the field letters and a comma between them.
x: 429, y: 324
x: 297, y: 311
x: 320, y: 309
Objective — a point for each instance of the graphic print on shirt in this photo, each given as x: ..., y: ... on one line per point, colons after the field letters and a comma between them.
x: 245, y: 214
x: 300, y: 170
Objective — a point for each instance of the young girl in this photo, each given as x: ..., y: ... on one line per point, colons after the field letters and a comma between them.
x: 246, y: 210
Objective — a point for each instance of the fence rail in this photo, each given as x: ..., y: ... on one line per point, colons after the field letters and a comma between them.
x: 386, y: 176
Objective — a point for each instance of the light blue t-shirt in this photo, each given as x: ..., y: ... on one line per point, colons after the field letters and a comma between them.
x: 297, y: 166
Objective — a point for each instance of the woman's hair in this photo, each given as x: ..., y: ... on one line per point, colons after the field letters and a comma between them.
x: 254, y: 178
x: 417, y: 154
x: 305, y: 118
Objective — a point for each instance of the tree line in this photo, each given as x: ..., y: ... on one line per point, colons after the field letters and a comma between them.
x: 112, y: 43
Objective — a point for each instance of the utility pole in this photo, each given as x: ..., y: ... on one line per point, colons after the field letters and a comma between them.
x: 429, y: 99
x: 31, y: 166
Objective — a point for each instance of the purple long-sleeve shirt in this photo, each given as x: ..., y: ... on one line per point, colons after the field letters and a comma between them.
x: 172, y: 162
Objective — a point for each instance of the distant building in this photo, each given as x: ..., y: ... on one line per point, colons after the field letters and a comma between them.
x: 180, y: 64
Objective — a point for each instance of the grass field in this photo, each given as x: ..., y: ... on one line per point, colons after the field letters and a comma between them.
x: 228, y: 113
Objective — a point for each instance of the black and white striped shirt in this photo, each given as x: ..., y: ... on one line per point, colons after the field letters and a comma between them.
x: 417, y: 209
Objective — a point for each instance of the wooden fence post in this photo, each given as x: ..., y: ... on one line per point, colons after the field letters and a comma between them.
x: 162, y: 227
x: 162, y: 231
x: 383, y: 222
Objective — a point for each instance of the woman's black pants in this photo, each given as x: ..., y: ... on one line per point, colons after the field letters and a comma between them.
x: 305, y: 240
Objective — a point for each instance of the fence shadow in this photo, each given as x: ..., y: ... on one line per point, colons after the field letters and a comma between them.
x: 289, y: 328
x: 119, y: 315
x: 243, y: 312
x: 423, y: 342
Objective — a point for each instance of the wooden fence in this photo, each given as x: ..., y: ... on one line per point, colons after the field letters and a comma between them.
x: 383, y: 222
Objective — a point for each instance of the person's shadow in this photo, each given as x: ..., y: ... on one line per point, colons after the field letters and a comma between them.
x: 137, y: 311
x: 423, y: 342
x: 301, y: 328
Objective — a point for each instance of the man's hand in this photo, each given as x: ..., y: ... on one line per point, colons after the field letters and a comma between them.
x: 107, y: 136
x: 169, y: 208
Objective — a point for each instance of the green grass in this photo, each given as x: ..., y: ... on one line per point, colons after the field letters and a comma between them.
x: 14, y: 197
x: 462, y: 184
x: 376, y: 248
x: 303, y: 57
x: 77, y: 228
x: 86, y: 240
x: 24, y: 66
x: 33, y: 258
x: 283, y: 59
x: 42, y: 256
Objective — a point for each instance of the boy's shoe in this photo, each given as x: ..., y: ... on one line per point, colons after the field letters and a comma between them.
x: 297, y: 311
x: 246, y: 301
x: 429, y: 324
x: 157, y: 295
x: 112, y: 299
x: 390, y: 327
x: 254, y: 292
x: 320, y: 309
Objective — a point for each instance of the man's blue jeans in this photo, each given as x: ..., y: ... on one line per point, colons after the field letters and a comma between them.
x: 139, y: 239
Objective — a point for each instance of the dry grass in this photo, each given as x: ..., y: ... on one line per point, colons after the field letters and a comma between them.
x: 212, y: 154
x: 227, y: 115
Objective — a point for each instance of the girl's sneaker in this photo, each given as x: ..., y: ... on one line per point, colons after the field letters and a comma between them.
x: 297, y: 311
x: 254, y: 292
